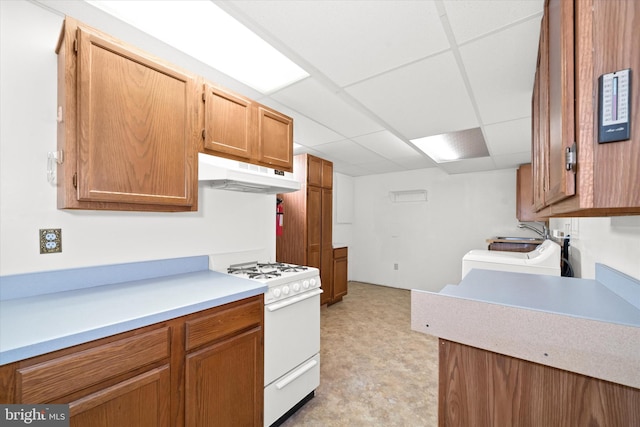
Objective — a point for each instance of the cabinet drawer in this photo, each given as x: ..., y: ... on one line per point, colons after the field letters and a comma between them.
x: 225, y: 322
x: 340, y: 253
x: 58, y: 377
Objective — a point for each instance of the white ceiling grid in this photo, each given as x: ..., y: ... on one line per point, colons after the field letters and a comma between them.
x: 387, y: 71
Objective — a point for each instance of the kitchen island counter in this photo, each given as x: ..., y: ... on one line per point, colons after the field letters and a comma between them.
x: 44, y: 312
x: 590, y: 327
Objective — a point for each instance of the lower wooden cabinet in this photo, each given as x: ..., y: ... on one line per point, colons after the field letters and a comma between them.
x: 340, y: 264
x: 204, y: 369
x: 222, y: 383
x: 482, y: 388
x: 142, y: 401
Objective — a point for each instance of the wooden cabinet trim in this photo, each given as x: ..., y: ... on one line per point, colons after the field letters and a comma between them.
x: 58, y: 377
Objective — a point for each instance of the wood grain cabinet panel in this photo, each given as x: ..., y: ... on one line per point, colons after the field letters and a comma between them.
x: 224, y: 383
x: 142, y: 401
x: 340, y: 274
x: 525, y: 207
x: 61, y: 376
x: 275, y: 139
x: 482, y: 388
x: 579, y: 42
x: 228, y: 123
x: 239, y: 128
x: 127, y: 126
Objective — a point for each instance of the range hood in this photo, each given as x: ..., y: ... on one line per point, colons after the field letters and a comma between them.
x: 226, y: 174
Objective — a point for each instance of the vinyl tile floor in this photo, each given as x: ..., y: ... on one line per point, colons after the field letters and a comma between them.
x: 374, y: 370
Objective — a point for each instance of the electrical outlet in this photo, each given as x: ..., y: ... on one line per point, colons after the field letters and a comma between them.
x: 50, y: 240
x: 395, y: 266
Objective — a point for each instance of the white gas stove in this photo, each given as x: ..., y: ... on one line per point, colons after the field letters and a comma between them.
x: 284, y: 280
x: 291, y: 331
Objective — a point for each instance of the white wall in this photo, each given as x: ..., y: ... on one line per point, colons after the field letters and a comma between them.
x: 225, y: 221
x: 613, y: 241
x: 427, y: 240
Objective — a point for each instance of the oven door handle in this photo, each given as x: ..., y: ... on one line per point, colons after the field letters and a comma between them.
x: 293, y: 300
x: 295, y: 374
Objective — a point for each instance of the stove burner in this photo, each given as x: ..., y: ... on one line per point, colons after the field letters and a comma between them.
x: 292, y: 268
x: 242, y: 270
x: 263, y: 275
x: 274, y: 265
x: 285, y: 268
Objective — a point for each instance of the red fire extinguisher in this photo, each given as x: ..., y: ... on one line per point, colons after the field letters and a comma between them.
x: 279, y: 217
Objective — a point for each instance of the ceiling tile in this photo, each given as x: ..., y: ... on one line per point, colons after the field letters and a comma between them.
x: 425, y: 98
x: 509, y: 137
x: 349, y: 150
x: 512, y: 160
x: 348, y: 41
x: 472, y: 18
x: 310, y: 98
x: 466, y: 166
x: 386, y: 144
x: 501, y: 68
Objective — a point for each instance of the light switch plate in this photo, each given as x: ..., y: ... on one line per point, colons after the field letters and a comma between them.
x: 50, y: 240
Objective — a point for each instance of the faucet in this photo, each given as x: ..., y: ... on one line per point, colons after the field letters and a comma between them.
x: 544, y: 233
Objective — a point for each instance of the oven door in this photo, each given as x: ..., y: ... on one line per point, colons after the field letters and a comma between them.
x: 291, y: 333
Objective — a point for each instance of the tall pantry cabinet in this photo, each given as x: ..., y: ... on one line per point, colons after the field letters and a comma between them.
x: 307, y: 231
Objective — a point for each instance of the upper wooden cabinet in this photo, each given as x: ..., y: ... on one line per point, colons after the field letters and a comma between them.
x: 238, y: 128
x: 525, y: 209
x: 127, y: 126
x: 579, y: 42
x: 228, y: 123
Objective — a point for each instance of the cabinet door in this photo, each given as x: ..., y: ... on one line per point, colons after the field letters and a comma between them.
x: 561, y: 99
x: 228, y: 123
x: 314, y: 171
x: 142, y: 401
x: 525, y: 208
x: 275, y: 139
x: 327, y: 174
x: 224, y: 383
x: 326, y: 270
x: 340, y: 278
x: 136, y: 122
x: 540, y: 121
x: 314, y: 226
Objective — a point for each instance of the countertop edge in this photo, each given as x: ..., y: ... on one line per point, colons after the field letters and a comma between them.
x: 585, y: 346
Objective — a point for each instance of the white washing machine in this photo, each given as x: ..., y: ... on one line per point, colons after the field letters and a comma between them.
x: 545, y: 259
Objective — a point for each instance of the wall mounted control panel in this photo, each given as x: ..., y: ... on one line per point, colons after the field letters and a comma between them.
x: 614, y: 105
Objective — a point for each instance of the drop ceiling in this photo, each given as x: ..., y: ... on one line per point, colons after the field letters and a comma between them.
x: 385, y: 72
x: 382, y: 73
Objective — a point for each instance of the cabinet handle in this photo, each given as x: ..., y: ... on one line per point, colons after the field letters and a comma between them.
x: 295, y: 374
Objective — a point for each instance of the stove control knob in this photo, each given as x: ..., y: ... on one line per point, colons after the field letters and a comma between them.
x: 313, y: 283
x: 285, y: 290
x: 276, y: 293
x: 305, y: 284
x: 296, y: 287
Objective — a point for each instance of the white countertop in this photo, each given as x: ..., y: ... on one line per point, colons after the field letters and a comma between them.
x: 591, y: 327
x: 39, y: 324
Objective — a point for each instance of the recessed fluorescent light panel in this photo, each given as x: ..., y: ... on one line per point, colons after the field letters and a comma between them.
x: 204, y: 31
x: 449, y: 147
